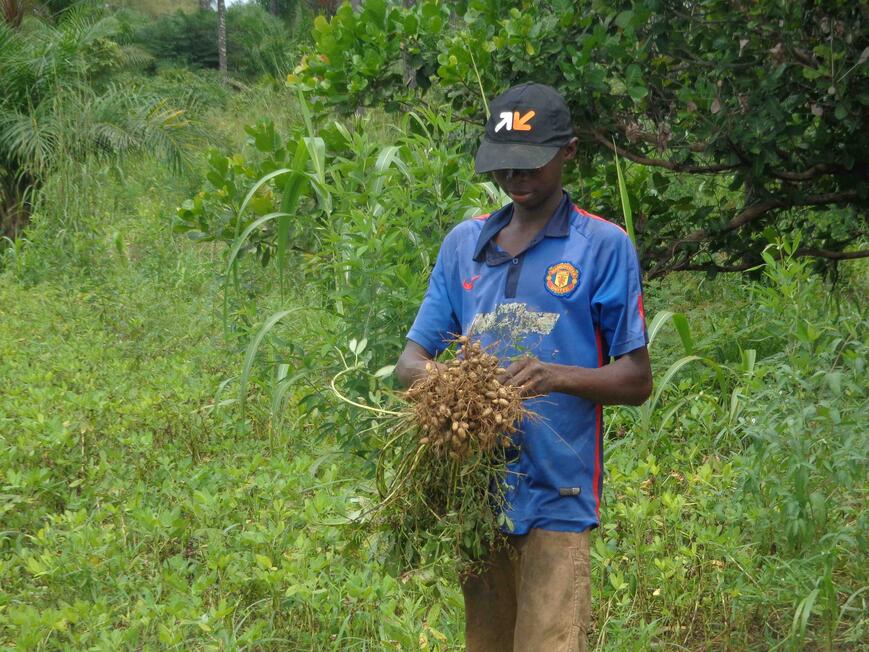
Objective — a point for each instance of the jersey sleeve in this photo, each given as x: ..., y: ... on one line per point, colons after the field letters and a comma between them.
x: 436, y: 322
x: 618, y: 299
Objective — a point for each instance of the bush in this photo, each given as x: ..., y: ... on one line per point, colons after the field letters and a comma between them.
x: 257, y: 43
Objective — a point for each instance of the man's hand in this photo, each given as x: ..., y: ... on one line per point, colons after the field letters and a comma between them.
x: 625, y: 381
x: 411, y: 366
x: 533, y: 377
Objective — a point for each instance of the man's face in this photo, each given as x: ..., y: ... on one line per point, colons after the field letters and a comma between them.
x: 532, y: 188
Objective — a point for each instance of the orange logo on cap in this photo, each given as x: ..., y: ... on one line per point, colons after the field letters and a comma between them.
x: 512, y: 121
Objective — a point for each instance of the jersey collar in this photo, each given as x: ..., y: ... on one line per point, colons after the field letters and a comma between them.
x: 558, y: 225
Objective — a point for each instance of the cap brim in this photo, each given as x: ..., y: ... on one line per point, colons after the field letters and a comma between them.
x: 511, y: 156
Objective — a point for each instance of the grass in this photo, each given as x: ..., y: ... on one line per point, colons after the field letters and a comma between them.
x: 159, y: 7
x: 138, y: 512
x: 141, y: 510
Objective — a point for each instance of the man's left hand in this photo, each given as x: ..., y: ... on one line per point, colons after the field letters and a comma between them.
x: 533, y: 377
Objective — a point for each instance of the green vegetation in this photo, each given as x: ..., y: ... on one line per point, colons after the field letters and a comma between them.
x: 744, y: 120
x: 175, y: 472
x: 257, y: 43
x: 60, y: 107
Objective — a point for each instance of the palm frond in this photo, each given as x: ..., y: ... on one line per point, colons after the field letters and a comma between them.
x: 135, y: 56
x: 29, y: 139
x: 51, y: 114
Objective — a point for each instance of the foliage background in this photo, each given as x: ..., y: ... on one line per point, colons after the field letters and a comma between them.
x: 759, y: 109
x: 174, y: 471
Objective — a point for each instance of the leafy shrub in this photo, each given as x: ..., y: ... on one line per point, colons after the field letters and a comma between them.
x: 257, y: 43
x: 365, y: 222
x: 763, y: 125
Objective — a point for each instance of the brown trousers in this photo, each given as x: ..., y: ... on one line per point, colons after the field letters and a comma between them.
x: 533, y: 595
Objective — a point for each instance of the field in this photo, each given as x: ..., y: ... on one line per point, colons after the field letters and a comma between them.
x: 141, y: 510
x: 177, y: 472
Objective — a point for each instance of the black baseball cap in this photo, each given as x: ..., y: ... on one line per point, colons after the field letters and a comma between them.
x: 528, y: 124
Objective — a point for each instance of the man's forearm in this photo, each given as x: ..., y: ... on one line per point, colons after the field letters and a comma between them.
x: 608, y: 385
x: 626, y: 381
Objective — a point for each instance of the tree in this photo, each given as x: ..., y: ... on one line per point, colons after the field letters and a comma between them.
x: 57, y: 107
x: 13, y: 11
x: 221, y: 37
x: 204, y: 5
x: 743, y: 119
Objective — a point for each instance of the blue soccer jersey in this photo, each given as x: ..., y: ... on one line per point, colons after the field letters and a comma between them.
x: 572, y: 297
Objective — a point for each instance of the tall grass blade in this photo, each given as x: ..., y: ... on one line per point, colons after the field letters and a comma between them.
x: 684, y: 330
x: 657, y: 323
x: 479, y: 80
x: 259, y: 184
x: 317, y: 150
x: 289, y: 202
x: 306, y: 114
x: 626, y: 202
x: 252, y: 349
x: 667, y: 378
x: 387, y: 157
x: 802, y: 615
x: 240, y: 240
x: 420, y: 123
x: 680, y: 322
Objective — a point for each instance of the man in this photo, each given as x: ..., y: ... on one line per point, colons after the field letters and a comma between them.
x: 557, y: 290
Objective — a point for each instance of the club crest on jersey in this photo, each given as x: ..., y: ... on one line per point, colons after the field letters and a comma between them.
x: 561, y: 279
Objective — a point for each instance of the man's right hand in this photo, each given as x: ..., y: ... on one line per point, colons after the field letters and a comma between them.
x: 411, y: 365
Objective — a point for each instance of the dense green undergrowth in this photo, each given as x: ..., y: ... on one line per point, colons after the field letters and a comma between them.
x: 140, y: 508
x: 137, y: 512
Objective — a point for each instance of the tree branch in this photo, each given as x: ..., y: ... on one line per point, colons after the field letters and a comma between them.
x: 818, y: 170
x: 813, y: 172
x: 698, y: 267
x: 809, y: 173
x: 661, y: 163
x: 753, y: 212
x: 688, y: 266
x: 833, y: 255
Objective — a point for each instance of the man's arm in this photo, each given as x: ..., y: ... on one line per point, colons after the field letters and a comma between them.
x: 626, y: 381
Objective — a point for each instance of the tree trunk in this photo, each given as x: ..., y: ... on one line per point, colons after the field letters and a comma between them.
x: 221, y: 37
x: 326, y: 7
x: 273, y: 7
x: 13, y: 12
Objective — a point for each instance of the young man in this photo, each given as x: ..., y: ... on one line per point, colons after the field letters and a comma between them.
x: 556, y: 290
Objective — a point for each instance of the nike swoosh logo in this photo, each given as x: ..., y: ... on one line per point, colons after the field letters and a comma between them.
x: 469, y: 285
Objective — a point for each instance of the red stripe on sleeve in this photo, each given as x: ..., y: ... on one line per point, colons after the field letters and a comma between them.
x: 592, y: 216
x: 598, y: 434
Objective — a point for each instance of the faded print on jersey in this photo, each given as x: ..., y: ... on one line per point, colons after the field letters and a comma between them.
x: 513, y: 327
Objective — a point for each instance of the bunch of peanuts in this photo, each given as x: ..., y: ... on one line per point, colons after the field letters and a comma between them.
x: 460, y: 407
